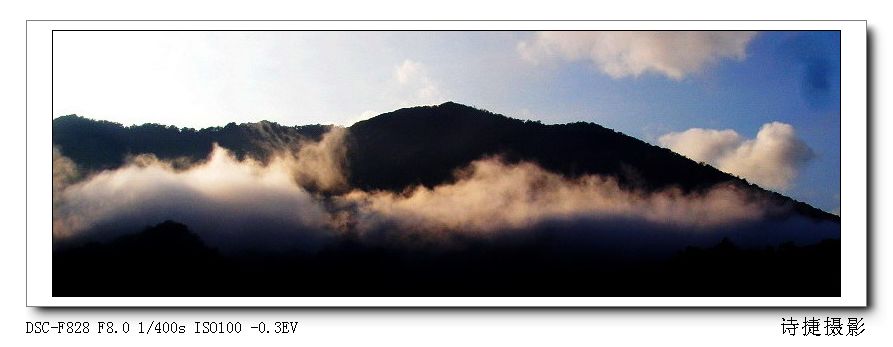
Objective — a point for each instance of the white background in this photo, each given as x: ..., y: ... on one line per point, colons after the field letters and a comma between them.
x: 439, y: 327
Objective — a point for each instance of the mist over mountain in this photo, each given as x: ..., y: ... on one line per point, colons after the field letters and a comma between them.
x: 420, y: 145
x: 431, y: 200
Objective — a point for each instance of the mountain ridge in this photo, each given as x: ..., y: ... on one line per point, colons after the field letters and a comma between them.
x: 421, y: 145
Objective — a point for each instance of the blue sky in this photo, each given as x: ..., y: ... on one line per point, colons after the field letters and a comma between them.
x: 654, y: 86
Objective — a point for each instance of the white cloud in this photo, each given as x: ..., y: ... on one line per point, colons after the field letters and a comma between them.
x: 410, y: 85
x: 415, y: 85
x: 408, y: 71
x: 703, y: 145
x: 675, y: 54
x: 773, y: 159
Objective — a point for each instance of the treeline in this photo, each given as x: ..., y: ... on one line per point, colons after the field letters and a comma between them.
x: 97, y: 145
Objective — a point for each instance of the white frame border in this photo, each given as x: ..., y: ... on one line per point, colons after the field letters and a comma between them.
x: 854, y: 164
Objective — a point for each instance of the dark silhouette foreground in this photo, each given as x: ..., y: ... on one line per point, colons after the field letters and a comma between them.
x: 169, y: 260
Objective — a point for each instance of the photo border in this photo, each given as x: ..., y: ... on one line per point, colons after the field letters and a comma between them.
x: 853, y: 114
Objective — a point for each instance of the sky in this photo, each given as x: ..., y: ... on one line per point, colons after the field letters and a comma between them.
x: 761, y: 105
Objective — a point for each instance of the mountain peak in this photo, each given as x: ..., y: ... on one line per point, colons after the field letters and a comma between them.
x: 448, y: 114
x: 453, y: 104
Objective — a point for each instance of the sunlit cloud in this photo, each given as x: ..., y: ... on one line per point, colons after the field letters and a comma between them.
x: 773, y: 159
x: 491, y: 196
x: 675, y: 54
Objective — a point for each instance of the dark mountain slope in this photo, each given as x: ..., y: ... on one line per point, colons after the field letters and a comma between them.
x: 424, y: 145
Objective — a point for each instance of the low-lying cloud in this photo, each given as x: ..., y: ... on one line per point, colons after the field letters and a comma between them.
x: 492, y: 196
x: 301, y: 200
x: 773, y: 159
x: 320, y: 165
x: 675, y: 54
x: 227, y: 201
x: 65, y: 172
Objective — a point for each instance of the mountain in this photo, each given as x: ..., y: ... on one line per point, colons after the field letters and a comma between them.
x: 424, y: 145
x: 419, y: 145
x: 229, y: 229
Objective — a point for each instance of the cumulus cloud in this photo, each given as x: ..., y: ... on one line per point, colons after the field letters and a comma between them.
x: 674, y: 54
x: 773, y: 159
x: 703, y: 145
x: 411, y: 84
x: 416, y: 85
